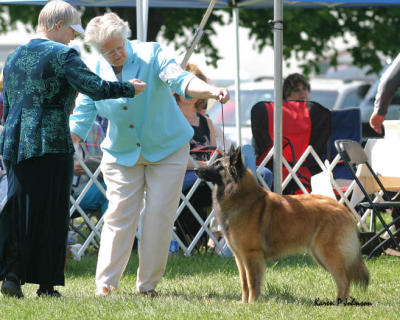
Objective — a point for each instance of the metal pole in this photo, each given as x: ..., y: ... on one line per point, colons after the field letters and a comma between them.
x: 142, y: 13
x: 145, y: 12
x: 237, y: 78
x: 199, y: 33
x: 139, y: 20
x: 278, y: 44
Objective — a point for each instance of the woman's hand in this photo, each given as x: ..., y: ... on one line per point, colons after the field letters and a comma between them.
x: 376, y: 122
x: 222, y: 95
x: 139, y: 85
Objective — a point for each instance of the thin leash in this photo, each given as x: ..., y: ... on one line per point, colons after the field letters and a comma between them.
x: 223, y: 126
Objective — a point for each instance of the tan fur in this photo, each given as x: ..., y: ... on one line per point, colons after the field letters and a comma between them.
x: 259, y: 225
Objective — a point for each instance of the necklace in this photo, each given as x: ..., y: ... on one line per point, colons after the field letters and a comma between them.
x: 193, y: 119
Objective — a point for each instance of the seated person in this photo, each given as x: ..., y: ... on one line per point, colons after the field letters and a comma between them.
x: 296, y: 87
x: 90, y: 153
x: 248, y: 153
x: 202, y: 144
x: 305, y: 124
x: 249, y: 159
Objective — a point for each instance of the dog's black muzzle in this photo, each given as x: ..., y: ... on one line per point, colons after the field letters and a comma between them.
x: 208, y: 174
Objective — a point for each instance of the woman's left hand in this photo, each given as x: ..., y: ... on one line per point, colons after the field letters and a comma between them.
x: 222, y: 95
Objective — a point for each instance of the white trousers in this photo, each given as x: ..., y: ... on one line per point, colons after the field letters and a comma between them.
x: 160, y: 183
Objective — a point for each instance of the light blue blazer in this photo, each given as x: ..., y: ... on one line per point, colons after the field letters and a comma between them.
x: 150, y: 124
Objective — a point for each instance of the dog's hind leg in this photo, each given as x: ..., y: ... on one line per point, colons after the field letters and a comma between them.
x: 332, y: 259
x: 342, y: 283
x: 254, y: 264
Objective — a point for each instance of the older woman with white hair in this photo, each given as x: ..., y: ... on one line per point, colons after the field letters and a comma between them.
x: 145, y: 152
x: 41, y: 80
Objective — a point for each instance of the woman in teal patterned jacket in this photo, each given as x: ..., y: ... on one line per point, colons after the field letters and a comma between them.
x: 41, y: 80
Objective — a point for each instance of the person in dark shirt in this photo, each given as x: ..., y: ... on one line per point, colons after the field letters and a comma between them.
x: 41, y: 80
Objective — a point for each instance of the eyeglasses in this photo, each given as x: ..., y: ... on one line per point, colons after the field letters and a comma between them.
x: 111, y: 53
x: 74, y: 32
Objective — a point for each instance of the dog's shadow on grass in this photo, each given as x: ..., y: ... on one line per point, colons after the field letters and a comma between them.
x: 274, y: 293
x: 282, y: 294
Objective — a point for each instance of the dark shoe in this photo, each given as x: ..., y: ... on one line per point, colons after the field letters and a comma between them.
x: 48, y: 293
x: 11, y: 287
x: 150, y: 293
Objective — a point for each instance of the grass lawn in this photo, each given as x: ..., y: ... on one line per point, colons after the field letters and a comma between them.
x: 205, y: 286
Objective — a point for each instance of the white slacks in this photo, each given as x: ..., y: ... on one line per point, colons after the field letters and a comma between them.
x: 161, y: 184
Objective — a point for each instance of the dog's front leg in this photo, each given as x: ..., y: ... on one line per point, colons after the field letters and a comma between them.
x: 243, y: 279
x: 254, y: 264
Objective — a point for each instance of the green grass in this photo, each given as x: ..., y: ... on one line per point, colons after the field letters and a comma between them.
x: 206, y: 286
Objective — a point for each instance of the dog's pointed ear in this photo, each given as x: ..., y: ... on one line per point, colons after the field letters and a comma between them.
x: 236, y: 162
x: 231, y: 151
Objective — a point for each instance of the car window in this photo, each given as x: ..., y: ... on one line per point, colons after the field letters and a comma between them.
x: 350, y: 100
x: 248, y: 99
x: 325, y: 98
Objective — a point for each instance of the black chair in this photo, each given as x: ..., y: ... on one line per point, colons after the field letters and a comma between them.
x: 352, y: 154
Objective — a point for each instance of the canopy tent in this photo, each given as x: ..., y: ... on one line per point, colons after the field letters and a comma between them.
x: 142, y: 14
x: 221, y: 3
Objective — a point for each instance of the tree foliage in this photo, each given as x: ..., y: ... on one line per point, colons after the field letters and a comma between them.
x: 309, y: 34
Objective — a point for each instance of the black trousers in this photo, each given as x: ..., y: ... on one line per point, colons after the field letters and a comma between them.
x: 34, y: 223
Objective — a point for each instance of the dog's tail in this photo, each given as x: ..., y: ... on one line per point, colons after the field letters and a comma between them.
x: 356, y: 270
x: 358, y: 273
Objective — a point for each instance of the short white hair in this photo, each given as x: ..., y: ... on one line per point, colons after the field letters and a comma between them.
x: 55, y: 11
x: 106, y: 27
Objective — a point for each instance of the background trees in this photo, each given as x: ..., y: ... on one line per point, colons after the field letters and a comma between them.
x: 308, y: 33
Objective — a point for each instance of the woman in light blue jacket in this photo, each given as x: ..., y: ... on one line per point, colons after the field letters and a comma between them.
x: 145, y: 151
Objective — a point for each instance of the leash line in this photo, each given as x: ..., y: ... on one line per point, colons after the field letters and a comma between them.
x: 223, y: 126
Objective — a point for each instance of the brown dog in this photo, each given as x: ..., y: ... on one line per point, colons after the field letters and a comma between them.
x: 260, y: 225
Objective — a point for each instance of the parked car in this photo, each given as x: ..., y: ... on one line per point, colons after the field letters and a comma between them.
x: 331, y: 93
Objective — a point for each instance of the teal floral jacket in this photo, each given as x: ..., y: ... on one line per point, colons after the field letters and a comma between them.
x: 41, y: 81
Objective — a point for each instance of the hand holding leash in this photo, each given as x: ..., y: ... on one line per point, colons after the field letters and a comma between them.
x: 222, y: 95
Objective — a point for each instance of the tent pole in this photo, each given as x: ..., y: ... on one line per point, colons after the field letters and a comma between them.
x: 199, y: 33
x: 145, y: 11
x: 142, y: 13
x: 278, y: 44
x: 237, y: 78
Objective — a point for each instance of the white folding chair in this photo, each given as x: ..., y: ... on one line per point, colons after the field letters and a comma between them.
x: 204, y: 224
x: 94, y: 229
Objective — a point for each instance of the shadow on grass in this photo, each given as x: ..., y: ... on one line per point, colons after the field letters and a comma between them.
x: 283, y: 294
x: 272, y: 292
x: 180, y: 265
x: 204, y: 264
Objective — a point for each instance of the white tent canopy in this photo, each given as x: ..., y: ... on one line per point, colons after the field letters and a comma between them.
x: 221, y: 3
x: 142, y: 18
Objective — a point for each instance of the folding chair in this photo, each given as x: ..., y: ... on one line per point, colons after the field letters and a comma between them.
x: 203, y: 222
x: 91, y: 152
x: 305, y: 124
x: 346, y: 124
x: 352, y: 154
